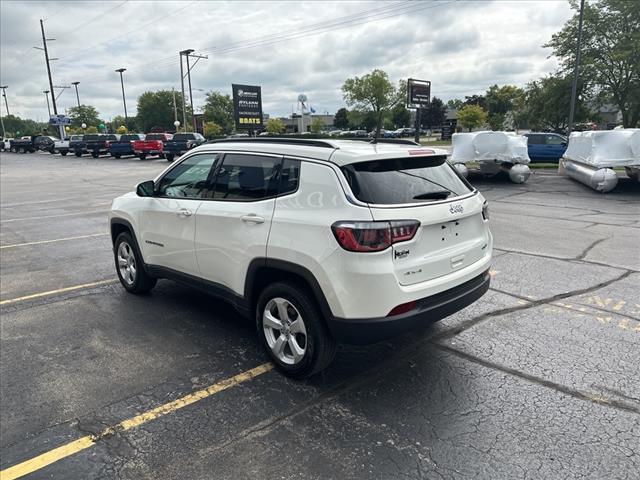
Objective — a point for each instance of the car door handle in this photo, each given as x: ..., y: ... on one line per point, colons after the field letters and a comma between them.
x: 184, y: 212
x: 252, y: 218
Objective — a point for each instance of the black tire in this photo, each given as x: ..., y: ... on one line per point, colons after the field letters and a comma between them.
x: 142, y: 282
x: 161, y: 155
x: 117, y: 155
x: 78, y: 154
x: 63, y: 153
x: 52, y: 151
x: 95, y: 154
x: 320, y: 345
x: 169, y: 157
x: 142, y: 156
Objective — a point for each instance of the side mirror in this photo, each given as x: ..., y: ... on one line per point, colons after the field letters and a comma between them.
x: 145, y: 189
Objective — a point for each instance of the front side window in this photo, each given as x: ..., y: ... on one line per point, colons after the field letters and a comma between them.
x: 189, y: 179
x: 555, y: 140
x: 245, y: 177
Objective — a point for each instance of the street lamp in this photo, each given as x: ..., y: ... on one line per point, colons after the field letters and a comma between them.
x: 177, y: 125
x: 46, y: 95
x: 84, y: 127
x: 77, y: 96
x: 126, y: 123
x: 4, y: 94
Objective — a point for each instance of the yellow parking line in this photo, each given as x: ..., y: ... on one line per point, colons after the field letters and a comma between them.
x: 60, y: 290
x: 53, y: 241
x: 53, y: 216
x: 52, y: 456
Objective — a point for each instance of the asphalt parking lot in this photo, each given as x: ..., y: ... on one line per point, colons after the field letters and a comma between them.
x: 538, y: 379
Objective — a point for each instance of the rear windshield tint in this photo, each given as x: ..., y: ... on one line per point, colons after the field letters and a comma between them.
x: 92, y: 137
x: 155, y: 136
x: 405, y: 180
x: 130, y: 137
x: 183, y: 136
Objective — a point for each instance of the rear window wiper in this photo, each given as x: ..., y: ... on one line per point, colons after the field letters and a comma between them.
x: 436, y: 195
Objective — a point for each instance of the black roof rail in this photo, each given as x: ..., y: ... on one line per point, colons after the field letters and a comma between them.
x: 397, y: 141
x: 291, y: 141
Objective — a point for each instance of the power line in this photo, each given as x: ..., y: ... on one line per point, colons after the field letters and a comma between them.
x: 100, y: 16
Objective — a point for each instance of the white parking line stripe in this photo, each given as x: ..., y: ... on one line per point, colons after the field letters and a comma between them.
x: 60, y: 290
x: 53, y: 216
x: 53, y: 241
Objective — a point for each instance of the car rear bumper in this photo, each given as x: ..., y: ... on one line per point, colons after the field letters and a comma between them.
x: 361, y: 331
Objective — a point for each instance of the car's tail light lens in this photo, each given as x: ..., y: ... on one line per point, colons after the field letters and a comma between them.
x: 373, y: 236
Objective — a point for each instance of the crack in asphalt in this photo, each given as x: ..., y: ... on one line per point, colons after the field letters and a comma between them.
x: 532, y: 304
x: 541, y: 381
x: 566, y: 259
x: 594, y: 244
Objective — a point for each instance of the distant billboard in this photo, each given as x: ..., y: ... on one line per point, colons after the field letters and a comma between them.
x: 418, y: 93
x: 58, y: 120
x: 247, y: 107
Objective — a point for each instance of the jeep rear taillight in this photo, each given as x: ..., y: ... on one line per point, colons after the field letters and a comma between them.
x: 373, y: 236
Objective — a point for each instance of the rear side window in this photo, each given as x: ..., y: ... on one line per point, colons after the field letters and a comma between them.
x: 405, y: 180
x: 290, y: 176
x: 535, y: 139
x: 244, y: 177
x: 178, y: 137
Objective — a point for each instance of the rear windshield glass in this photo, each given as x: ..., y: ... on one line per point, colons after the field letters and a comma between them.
x: 155, y: 136
x: 183, y: 136
x: 129, y: 137
x: 92, y: 137
x: 75, y: 138
x: 109, y: 137
x: 405, y: 180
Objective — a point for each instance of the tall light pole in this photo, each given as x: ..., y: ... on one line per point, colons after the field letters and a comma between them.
x: 4, y: 94
x: 184, y: 108
x: 75, y: 84
x: 126, y: 122
x: 46, y: 96
x: 574, y: 87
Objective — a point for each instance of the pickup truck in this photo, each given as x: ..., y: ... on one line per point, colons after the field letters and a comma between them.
x: 77, y: 145
x: 124, y: 145
x: 98, y: 144
x: 153, y: 144
x: 52, y: 145
x: 180, y: 143
x: 61, y: 147
x: 31, y: 144
x: 6, y: 144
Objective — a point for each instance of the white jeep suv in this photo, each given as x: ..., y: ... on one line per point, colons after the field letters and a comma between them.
x: 322, y: 241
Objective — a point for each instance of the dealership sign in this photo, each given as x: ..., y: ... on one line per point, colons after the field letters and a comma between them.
x: 418, y: 93
x: 247, y: 106
x: 58, y: 120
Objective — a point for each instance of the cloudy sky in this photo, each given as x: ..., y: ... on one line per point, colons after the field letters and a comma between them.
x: 287, y: 47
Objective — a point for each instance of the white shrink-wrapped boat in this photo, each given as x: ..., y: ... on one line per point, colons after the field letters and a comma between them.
x: 493, y: 151
x: 591, y: 157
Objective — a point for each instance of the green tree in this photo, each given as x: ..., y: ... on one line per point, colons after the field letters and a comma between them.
x: 91, y: 129
x: 275, y: 126
x: 499, y: 101
x: 359, y: 120
x: 610, y: 59
x: 455, y: 104
x: 476, y: 100
x: 472, y: 116
x: 155, y: 111
x: 212, y: 129
x: 218, y: 108
x: 434, y: 114
x: 317, y: 125
x: 13, y: 124
x: 84, y: 114
x: 400, y: 116
x: 341, y: 119
x: 547, y: 104
x: 372, y: 92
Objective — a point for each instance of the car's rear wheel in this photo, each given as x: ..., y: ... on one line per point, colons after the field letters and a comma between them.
x: 292, y: 330
x: 142, y: 156
x: 78, y: 154
x: 95, y: 154
x: 63, y: 153
x: 117, y: 155
x: 169, y: 157
x: 130, y: 267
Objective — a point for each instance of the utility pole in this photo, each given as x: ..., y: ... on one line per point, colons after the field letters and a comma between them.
x: 184, y: 108
x: 46, y: 96
x: 77, y: 95
x: 574, y: 87
x: 188, y: 53
x: 126, y: 122
x: 175, y: 108
x: 46, y: 57
x: 4, y: 94
x: 193, y: 117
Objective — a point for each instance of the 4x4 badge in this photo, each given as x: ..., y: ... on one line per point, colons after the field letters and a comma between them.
x: 456, y: 209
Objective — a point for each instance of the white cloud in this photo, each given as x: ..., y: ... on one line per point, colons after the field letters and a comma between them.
x: 463, y: 47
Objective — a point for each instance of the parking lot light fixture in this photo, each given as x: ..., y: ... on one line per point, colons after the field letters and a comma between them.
x: 126, y: 121
x: 75, y: 84
x: 46, y: 96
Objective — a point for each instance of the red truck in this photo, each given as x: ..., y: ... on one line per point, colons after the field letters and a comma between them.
x: 153, y: 144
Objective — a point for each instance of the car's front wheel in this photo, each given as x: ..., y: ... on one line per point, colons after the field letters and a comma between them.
x: 130, y: 267
x: 78, y: 154
x: 169, y: 157
x: 292, y: 330
x: 142, y: 156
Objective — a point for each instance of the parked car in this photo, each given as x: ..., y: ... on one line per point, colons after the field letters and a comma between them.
x: 152, y: 144
x: 30, y: 144
x: 181, y: 143
x: 405, y: 241
x: 545, y: 147
x: 98, y: 143
x: 77, y: 145
x: 124, y: 145
x: 6, y: 144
